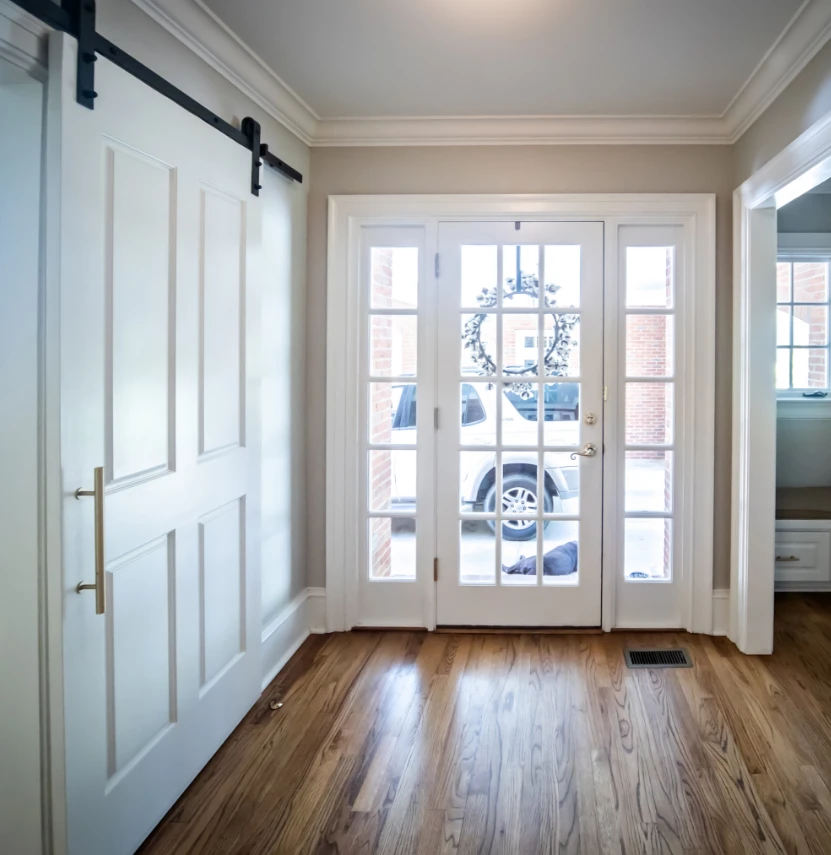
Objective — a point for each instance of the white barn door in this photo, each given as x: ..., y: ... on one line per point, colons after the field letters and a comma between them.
x: 159, y: 246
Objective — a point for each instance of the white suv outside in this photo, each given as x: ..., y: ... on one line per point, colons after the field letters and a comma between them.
x: 478, y: 474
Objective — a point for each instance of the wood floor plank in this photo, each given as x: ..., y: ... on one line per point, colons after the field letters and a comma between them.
x: 407, y: 743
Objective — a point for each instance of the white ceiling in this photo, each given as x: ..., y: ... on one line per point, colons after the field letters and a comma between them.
x: 384, y: 58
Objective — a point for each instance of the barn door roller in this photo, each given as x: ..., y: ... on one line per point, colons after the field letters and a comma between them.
x: 77, y: 18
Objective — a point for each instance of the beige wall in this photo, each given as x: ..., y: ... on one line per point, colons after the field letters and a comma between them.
x: 512, y: 169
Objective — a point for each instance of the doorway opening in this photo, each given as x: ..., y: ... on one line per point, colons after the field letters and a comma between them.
x: 780, y: 408
x: 803, y: 408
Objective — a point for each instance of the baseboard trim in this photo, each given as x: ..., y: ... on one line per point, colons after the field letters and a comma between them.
x: 303, y: 616
x: 785, y: 587
x: 721, y: 611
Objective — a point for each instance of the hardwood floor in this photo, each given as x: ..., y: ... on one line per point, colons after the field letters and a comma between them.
x: 402, y: 742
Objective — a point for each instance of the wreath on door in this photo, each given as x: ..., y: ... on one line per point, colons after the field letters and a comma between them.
x: 555, y: 358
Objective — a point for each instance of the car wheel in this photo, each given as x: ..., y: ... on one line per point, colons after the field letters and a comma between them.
x: 519, y: 496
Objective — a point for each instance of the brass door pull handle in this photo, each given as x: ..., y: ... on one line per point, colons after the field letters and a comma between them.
x: 97, y: 492
x: 588, y: 450
x: 788, y: 558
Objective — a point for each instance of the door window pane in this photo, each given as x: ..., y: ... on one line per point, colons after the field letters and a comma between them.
x: 519, y: 560
x: 561, y: 353
x: 406, y: 414
x: 649, y: 345
x: 392, y: 548
x: 379, y: 473
x: 479, y: 344
x: 562, y: 276
x: 520, y: 344
x: 521, y: 276
x: 649, y: 481
x: 649, y: 413
x: 477, y: 474
x: 477, y: 553
x: 562, y: 483
x: 561, y: 560
x: 477, y: 424
x: 392, y: 413
x: 385, y: 401
x: 394, y: 277
x: 392, y: 479
x: 520, y: 415
x: 649, y: 276
x: 647, y: 549
x: 393, y: 343
x: 562, y: 414
x: 521, y: 492
x: 478, y: 276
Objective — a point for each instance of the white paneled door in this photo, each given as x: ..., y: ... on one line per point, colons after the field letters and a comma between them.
x: 520, y: 396
x: 159, y: 239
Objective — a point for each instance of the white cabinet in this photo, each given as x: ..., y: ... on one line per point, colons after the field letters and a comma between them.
x: 803, y: 555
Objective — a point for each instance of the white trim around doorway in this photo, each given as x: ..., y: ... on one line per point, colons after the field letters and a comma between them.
x: 348, y: 215
x: 804, y: 164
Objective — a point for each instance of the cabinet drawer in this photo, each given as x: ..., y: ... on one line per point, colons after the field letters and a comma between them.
x: 803, y: 556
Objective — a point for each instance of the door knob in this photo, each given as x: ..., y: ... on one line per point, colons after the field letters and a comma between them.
x: 588, y: 450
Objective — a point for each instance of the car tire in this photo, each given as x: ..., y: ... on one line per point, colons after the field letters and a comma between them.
x: 518, y: 489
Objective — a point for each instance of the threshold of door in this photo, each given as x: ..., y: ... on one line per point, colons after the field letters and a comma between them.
x: 389, y: 629
x: 643, y: 629
x: 521, y: 630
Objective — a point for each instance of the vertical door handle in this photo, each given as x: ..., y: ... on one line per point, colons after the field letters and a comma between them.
x: 97, y: 492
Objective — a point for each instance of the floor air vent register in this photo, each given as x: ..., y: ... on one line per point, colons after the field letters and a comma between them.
x: 669, y: 658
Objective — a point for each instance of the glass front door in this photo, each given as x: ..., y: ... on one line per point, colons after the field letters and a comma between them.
x: 520, y: 424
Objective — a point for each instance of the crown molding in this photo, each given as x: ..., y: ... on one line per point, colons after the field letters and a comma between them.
x: 23, y: 40
x: 803, y: 38
x: 210, y: 38
x: 520, y: 130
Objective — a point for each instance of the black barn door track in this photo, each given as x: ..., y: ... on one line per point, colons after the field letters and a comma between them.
x: 77, y: 18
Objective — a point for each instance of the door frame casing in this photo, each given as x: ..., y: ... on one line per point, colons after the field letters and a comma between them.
x: 348, y: 215
x: 799, y: 167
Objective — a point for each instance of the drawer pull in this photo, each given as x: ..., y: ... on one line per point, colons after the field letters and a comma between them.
x: 788, y: 558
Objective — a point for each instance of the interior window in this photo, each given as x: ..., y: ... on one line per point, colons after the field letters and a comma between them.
x: 802, y: 342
